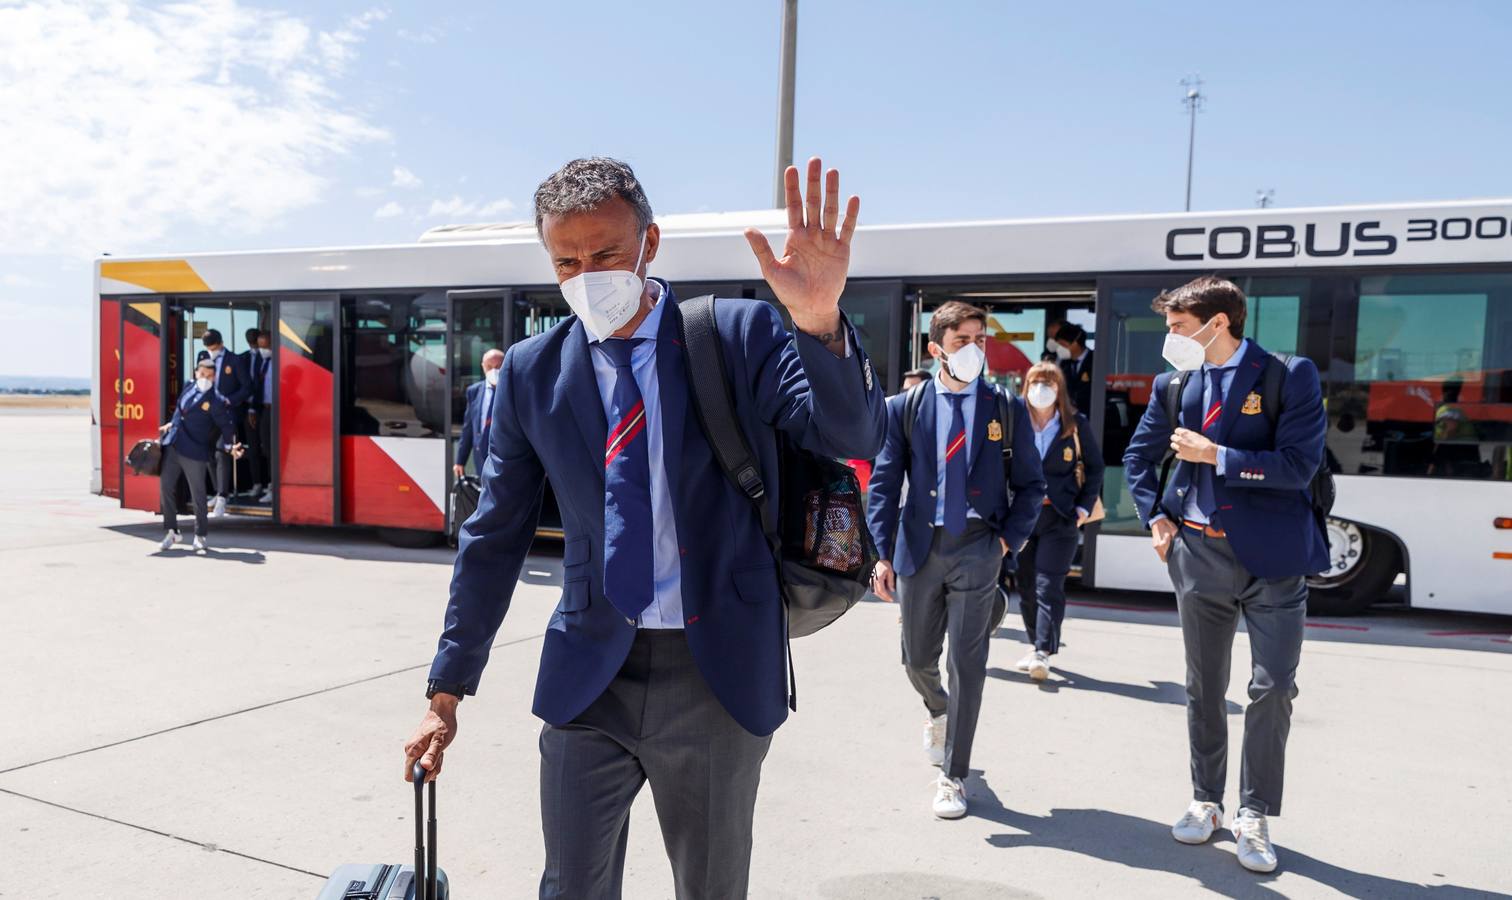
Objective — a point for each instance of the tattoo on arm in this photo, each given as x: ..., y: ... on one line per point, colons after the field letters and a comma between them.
x: 833, y: 341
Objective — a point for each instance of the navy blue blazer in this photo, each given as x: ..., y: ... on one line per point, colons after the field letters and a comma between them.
x: 234, y: 382
x: 548, y: 422
x: 253, y: 362
x: 1263, y: 499
x: 1059, y: 464
x: 472, y: 442
x: 984, y: 484
x: 192, y: 433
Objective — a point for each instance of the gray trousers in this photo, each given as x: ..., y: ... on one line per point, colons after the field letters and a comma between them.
x: 659, y: 722
x: 173, y: 466
x: 1213, y: 589
x: 952, y: 593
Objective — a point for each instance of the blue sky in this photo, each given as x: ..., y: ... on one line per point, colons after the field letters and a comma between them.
x: 229, y: 124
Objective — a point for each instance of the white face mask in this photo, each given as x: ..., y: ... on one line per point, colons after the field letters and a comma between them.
x: 265, y: 352
x: 204, y: 384
x: 1041, y: 395
x: 491, y: 376
x: 966, y: 363
x: 1184, y: 352
x: 1060, y: 351
x: 605, y: 301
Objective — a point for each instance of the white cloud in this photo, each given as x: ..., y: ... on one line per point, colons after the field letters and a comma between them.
x: 404, y: 178
x: 457, y: 208
x: 388, y: 210
x: 429, y: 35
x: 12, y: 280
x: 128, y: 121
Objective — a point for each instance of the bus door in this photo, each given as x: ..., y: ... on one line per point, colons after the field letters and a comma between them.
x: 138, y: 394
x: 1018, y: 322
x: 477, y: 322
x: 306, y: 340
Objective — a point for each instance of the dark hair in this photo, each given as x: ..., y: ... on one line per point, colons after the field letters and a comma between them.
x: 1204, y: 298
x: 952, y: 315
x: 587, y: 184
x: 1051, y: 372
x: 211, y: 338
x: 252, y: 334
x: 1072, y: 333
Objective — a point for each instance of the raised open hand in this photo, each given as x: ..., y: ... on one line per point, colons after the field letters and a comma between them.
x: 810, y: 274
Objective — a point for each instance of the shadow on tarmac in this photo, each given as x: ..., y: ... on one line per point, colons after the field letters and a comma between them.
x: 1143, y: 844
x: 1155, y: 692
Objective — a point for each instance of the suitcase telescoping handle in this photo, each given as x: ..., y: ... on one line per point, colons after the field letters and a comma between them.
x: 425, y: 862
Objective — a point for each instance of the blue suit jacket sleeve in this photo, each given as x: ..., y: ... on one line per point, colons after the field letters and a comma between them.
x: 221, y: 414
x: 1147, y: 450
x: 1027, y: 478
x: 491, y: 545
x: 885, y: 491
x: 238, y: 395
x: 1301, y: 431
x: 1092, y: 462
x: 829, y: 405
x: 465, y: 442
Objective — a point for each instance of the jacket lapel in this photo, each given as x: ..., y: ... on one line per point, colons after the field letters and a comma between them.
x: 580, y: 390
x: 1245, y: 378
x: 925, y: 443
x: 672, y: 385
x: 986, y: 411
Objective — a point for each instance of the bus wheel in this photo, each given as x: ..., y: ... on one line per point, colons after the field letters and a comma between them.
x: 1363, y: 566
x: 409, y: 538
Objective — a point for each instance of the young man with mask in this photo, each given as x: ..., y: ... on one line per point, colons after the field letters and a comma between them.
x: 665, y: 660
x: 189, y: 438
x: 1237, y: 531
x: 1075, y: 360
x: 257, y: 460
x: 944, y: 554
x: 232, y: 385
x: 479, y: 416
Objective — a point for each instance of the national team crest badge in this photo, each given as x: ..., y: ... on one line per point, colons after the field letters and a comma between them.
x: 1086, y: 376
x: 994, y: 430
x: 205, y: 406
x: 1068, y: 455
x: 1251, y: 405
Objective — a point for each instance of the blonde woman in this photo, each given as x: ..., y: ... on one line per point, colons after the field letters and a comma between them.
x: 1073, y: 467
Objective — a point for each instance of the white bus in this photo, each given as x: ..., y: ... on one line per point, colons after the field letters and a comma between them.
x: 1406, y: 309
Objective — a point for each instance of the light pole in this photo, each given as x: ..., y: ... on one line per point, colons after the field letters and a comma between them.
x: 785, y: 90
x: 1264, y: 197
x: 1193, y: 101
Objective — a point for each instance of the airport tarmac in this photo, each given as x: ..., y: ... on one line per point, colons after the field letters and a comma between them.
x: 230, y: 725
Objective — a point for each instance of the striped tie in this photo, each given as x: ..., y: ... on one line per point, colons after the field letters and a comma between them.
x: 628, y: 578
x: 955, y: 467
x: 1207, y: 495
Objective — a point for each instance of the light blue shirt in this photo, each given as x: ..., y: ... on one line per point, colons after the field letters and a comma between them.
x: 944, y: 412
x: 666, y: 609
x: 1228, y: 367
x: 1043, y: 439
x: 487, y: 408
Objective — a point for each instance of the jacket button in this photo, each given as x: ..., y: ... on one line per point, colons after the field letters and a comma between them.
x: 933, y: 493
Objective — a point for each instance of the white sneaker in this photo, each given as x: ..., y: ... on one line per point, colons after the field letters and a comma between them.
x: 1252, y: 835
x: 219, y: 509
x: 934, y: 740
x: 1024, y: 664
x: 199, y: 544
x: 1199, y: 823
x: 267, y: 495
x: 169, y: 540
x: 950, y: 798
x: 1039, y: 669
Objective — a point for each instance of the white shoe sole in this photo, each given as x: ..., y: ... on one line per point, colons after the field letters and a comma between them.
x: 1263, y: 870
x: 1193, y: 841
x: 950, y: 816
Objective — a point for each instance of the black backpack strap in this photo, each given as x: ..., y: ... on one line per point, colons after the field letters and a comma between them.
x: 1271, y: 385
x: 911, y: 403
x: 1172, y: 401
x: 716, y: 413
x: 1005, y: 413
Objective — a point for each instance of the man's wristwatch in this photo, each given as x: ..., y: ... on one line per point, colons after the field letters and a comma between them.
x: 440, y: 687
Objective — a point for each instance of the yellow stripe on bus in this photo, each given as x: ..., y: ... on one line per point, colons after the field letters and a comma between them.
x: 169, y: 276
x: 288, y: 333
x: 152, y: 310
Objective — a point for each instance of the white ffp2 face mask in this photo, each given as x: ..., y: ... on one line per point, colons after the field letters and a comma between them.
x: 1060, y: 350
x: 204, y: 384
x: 265, y: 352
x: 1184, y: 352
x: 1041, y: 395
x: 966, y: 363
x: 492, y: 377
x: 604, y: 301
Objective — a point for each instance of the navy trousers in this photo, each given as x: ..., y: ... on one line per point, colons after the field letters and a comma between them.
x: 1042, y: 568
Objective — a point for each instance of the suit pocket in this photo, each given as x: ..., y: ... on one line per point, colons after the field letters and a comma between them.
x: 756, y: 584
x: 574, y: 595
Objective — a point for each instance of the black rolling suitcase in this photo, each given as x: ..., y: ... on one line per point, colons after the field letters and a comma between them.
x: 421, y: 881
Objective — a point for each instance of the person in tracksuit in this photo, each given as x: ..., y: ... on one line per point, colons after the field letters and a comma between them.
x: 956, y: 526
x: 1237, y: 530
x: 189, y: 439
x: 1066, y: 447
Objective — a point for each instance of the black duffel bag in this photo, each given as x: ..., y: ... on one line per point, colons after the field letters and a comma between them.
x: 145, y: 458
x: 465, y: 495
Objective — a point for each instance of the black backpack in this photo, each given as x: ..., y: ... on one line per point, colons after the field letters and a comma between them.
x: 1320, y: 489
x: 911, y: 402
x: 821, y: 544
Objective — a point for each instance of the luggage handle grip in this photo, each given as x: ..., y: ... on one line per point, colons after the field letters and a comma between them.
x: 425, y: 875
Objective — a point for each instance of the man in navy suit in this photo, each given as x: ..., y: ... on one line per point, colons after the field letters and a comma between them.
x: 233, y: 384
x: 956, y: 527
x: 1237, y: 530
x: 477, y: 419
x: 665, y: 660
x: 189, y: 438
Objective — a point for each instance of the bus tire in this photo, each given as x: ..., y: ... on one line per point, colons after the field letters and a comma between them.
x: 1366, y: 564
x: 409, y: 538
